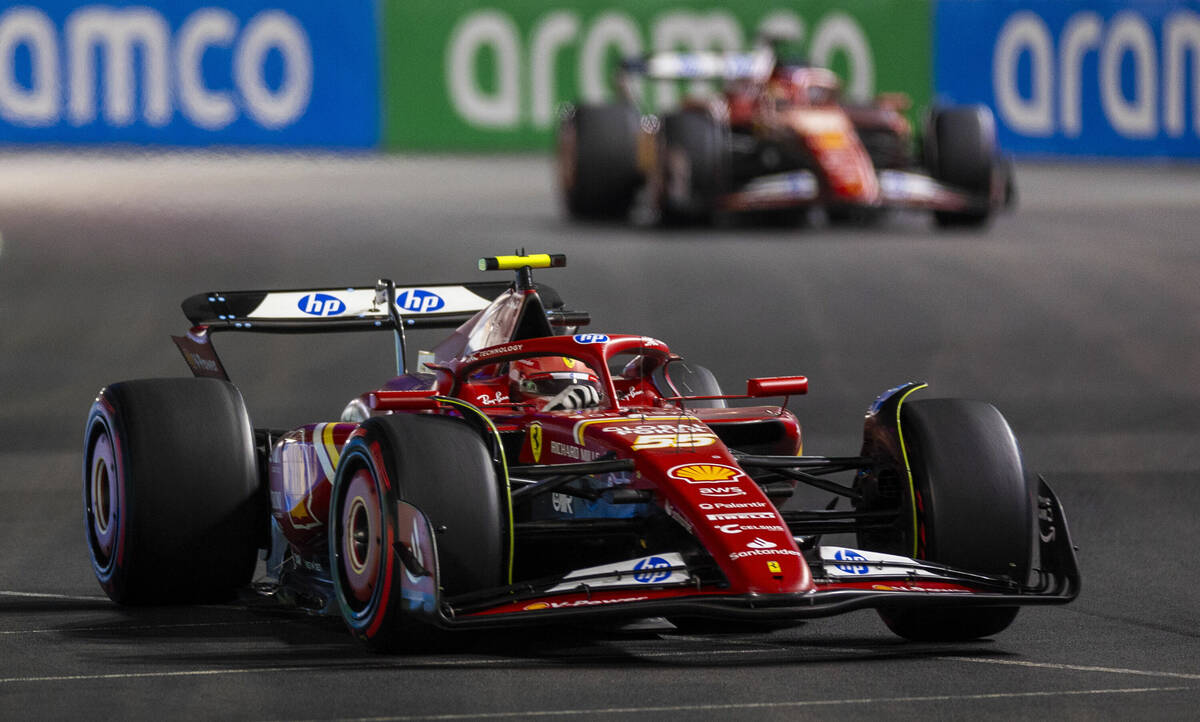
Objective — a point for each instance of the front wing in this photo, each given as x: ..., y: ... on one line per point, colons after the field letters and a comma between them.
x: 845, y: 580
x: 897, y: 189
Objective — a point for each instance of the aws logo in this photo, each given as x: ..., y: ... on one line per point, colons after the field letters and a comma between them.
x: 321, y: 304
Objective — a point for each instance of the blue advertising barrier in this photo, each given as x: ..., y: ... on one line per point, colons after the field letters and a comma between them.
x: 1076, y: 77
x: 300, y: 73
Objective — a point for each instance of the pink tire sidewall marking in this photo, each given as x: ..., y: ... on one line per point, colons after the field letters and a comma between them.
x: 360, y: 512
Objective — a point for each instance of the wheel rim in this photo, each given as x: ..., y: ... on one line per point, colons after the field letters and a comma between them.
x: 362, y: 541
x: 103, y: 506
x: 358, y: 536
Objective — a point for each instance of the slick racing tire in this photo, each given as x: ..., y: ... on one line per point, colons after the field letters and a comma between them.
x: 597, y: 161
x: 172, y: 501
x: 442, y: 467
x: 970, y: 507
x: 963, y: 155
x: 694, y: 161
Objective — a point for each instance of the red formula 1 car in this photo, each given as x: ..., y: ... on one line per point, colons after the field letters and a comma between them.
x: 778, y: 138
x: 528, y: 472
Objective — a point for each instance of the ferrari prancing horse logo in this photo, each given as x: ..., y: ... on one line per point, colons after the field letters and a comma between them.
x: 535, y: 442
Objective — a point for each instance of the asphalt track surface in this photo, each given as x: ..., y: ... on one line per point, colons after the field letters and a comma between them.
x: 1078, y: 316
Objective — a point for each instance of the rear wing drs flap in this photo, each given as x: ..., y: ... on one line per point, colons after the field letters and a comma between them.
x: 703, y: 65
x: 325, y: 310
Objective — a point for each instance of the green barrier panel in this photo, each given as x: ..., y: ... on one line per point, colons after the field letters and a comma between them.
x: 461, y: 76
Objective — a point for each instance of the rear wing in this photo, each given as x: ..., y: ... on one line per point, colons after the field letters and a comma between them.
x: 325, y: 310
x: 756, y: 65
x: 333, y: 310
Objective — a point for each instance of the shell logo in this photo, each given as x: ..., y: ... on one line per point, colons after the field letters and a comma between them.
x: 536, y: 606
x: 705, y: 473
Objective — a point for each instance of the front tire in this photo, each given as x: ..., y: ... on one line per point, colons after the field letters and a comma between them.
x: 694, y: 167
x: 598, y: 172
x: 171, y: 495
x: 963, y: 155
x: 970, y: 506
x: 439, y: 465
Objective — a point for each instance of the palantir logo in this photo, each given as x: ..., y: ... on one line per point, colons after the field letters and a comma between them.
x: 321, y: 304
x: 418, y: 301
x: 651, y: 570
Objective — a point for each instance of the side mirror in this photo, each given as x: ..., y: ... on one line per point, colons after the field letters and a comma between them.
x: 777, y: 386
x: 402, y: 400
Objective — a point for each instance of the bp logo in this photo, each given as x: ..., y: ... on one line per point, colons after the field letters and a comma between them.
x: 651, y: 570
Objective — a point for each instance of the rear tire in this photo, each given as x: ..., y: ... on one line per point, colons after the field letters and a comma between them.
x: 171, y: 494
x: 597, y: 161
x: 694, y: 167
x: 439, y: 465
x: 963, y: 155
x: 967, y: 476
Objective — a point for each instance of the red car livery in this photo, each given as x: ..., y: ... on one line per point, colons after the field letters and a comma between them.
x: 526, y: 471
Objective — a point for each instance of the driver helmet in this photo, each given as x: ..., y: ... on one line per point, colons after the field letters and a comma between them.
x: 782, y: 86
x: 545, y: 377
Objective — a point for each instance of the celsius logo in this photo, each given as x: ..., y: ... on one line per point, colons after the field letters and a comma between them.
x: 419, y: 301
x: 321, y: 304
x: 590, y: 338
x: 846, y: 555
x: 652, y: 569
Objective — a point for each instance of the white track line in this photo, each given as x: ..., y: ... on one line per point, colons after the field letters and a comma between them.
x: 759, y: 705
x: 1074, y: 667
x: 162, y: 675
x: 142, y: 627
x: 121, y: 627
x: 351, y: 665
x: 40, y: 595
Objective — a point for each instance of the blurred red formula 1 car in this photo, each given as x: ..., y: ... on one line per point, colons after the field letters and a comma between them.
x: 522, y: 477
x: 779, y: 138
